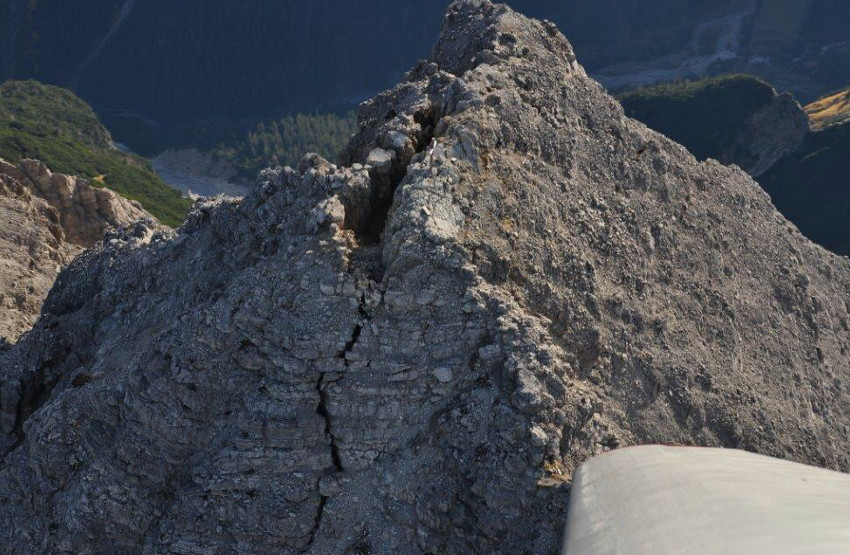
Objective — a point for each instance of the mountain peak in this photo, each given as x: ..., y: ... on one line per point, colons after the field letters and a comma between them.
x: 476, y: 32
x: 411, y: 352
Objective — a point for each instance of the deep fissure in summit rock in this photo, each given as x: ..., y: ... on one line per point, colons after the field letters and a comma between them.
x: 388, y: 175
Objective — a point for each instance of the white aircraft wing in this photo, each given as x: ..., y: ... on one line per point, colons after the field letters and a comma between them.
x: 680, y: 500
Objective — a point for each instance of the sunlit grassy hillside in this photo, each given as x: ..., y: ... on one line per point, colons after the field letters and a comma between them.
x: 833, y: 108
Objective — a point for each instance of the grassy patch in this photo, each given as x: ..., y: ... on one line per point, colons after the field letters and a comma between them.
x: 833, y: 108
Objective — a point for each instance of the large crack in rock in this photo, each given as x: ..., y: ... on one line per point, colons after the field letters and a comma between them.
x: 412, y: 351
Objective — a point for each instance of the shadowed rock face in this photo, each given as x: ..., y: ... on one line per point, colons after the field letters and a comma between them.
x: 47, y: 219
x: 736, y: 119
x: 414, y: 356
x: 768, y: 135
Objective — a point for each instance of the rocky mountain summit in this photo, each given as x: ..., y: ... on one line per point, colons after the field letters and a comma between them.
x: 410, y: 352
x: 46, y: 219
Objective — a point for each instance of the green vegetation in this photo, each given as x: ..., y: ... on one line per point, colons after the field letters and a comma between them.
x: 249, y: 144
x: 285, y: 141
x: 705, y: 115
x: 830, y: 109
x: 54, y: 126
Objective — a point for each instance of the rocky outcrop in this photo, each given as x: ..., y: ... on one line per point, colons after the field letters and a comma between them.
x: 736, y: 119
x: 413, y: 357
x: 86, y: 212
x: 33, y: 251
x: 768, y: 135
x: 47, y: 219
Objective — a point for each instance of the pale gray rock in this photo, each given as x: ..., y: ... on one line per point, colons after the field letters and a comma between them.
x: 381, y: 160
x: 32, y: 252
x: 86, y: 212
x: 444, y: 374
x: 261, y: 381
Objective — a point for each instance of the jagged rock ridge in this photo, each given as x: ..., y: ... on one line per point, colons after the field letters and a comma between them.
x: 86, y: 212
x: 33, y: 253
x: 47, y: 219
x: 411, y: 352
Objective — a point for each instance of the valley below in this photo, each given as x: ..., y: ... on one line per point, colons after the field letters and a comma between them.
x: 717, y: 40
x: 198, y: 173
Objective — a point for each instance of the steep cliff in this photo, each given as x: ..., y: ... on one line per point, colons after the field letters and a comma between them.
x: 412, y: 351
x: 769, y: 135
x: 47, y: 219
x: 33, y: 251
x: 809, y: 186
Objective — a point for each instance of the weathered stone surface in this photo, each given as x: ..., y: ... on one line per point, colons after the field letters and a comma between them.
x: 86, y: 212
x: 415, y: 360
x: 33, y: 251
x: 46, y: 219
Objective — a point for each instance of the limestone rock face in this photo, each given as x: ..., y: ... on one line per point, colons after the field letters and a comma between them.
x: 33, y: 251
x: 86, y: 212
x: 46, y: 219
x: 413, y: 358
